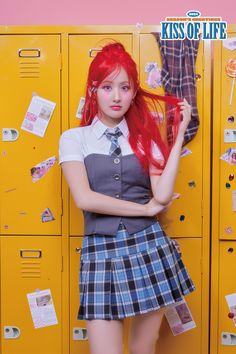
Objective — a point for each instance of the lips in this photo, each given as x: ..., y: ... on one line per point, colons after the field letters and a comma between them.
x: 116, y: 108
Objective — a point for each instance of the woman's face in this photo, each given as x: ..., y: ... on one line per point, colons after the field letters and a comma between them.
x: 114, y: 96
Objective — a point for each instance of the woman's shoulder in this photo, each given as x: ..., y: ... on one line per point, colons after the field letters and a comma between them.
x: 77, y: 132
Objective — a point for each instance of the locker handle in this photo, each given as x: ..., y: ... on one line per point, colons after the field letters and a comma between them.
x: 25, y: 53
x: 91, y: 50
x: 78, y: 250
x: 38, y: 254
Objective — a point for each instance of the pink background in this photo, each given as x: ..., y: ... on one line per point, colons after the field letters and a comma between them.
x: 76, y: 12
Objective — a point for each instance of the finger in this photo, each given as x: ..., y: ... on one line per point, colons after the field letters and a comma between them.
x: 176, y: 196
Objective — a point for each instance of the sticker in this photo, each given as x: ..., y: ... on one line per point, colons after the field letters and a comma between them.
x: 229, y: 230
x: 80, y: 107
x: 47, y: 215
x: 231, y: 177
x: 231, y: 71
x: 229, y: 156
x: 182, y: 217
x: 185, y: 151
x: 233, y: 200
x: 38, y: 116
x: 42, y: 308
x: 42, y: 168
x: 230, y: 135
x: 192, y: 184
x: 231, y: 119
x: 231, y: 301
x: 154, y: 75
x: 227, y: 185
x: 179, y: 318
x: 230, y: 43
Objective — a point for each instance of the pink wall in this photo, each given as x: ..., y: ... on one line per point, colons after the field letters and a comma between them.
x: 76, y: 12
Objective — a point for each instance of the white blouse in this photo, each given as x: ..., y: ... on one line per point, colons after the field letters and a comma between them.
x: 77, y: 143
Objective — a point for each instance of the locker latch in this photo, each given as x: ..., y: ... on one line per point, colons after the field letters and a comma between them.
x: 11, y: 332
x: 228, y: 338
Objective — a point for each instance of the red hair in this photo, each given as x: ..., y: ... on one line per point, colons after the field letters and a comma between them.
x: 144, y: 126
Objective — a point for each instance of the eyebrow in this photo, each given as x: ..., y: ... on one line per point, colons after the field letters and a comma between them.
x: 110, y: 82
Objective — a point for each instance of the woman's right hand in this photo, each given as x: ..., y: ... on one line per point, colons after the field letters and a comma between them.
x: 153, y: 207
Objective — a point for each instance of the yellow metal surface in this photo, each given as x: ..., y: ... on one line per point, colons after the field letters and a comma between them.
x: 191, y: 167
x: 29, y: 263
x: 223, y: 218
x: 227, y: 263
x: 30, y: 64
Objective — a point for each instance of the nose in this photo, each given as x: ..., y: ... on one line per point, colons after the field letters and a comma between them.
x: 116, y: 97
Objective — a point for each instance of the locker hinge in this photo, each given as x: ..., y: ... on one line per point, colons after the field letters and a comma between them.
x: 61, y: 263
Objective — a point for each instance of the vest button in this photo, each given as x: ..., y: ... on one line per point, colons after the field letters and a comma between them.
x: 116, y: 160
x: 116, y: 177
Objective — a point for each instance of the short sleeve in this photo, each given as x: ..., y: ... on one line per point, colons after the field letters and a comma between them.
x: 70, y: 146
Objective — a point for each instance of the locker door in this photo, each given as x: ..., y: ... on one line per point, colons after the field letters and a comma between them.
x: 227, y: 264
x: 30, y: 64
x: 27, y: 264
x: 224, y: 124
x: 223, y: 217
x: 190, y: 166
x: 82, y: 49
x: 78, y: 341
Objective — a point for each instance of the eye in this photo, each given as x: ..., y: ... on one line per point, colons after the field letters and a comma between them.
x: 126, y: 88
x: 106, y: 87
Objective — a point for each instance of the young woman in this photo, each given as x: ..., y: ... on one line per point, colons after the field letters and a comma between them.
x: 121, y: 173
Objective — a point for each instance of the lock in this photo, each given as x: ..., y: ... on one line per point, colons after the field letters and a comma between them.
x: 9, y: 134
x: 11, y: 332
x: 228, y: 338
x: 80, y: 333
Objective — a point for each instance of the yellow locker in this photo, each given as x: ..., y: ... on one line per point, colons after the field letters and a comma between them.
x: 191, y: 166
x: 82, y: 49
x: 223, y: 214
x: 226, y: 185
x: 28, y: 264
x: 226, y: 326
x: 30, y: 65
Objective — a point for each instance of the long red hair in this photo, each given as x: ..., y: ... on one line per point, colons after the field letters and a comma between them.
x: 144, y: 123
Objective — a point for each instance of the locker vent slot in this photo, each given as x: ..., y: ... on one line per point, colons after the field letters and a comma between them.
x: 29, y: 70
x: 30, y: 269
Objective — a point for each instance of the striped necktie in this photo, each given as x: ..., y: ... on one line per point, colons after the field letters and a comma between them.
x: 115, y: 149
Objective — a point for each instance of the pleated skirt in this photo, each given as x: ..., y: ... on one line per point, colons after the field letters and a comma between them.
x: 126, y: 275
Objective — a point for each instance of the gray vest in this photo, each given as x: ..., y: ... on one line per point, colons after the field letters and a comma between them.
x: 119, y: 177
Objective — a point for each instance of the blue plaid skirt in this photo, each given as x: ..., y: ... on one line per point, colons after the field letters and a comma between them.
x: 126, y: 275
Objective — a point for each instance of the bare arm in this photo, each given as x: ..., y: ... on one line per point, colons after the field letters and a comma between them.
x: 163, y: 186
x: 86, y: 199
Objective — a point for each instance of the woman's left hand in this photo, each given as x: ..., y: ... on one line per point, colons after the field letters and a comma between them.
x: 185, y: 110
